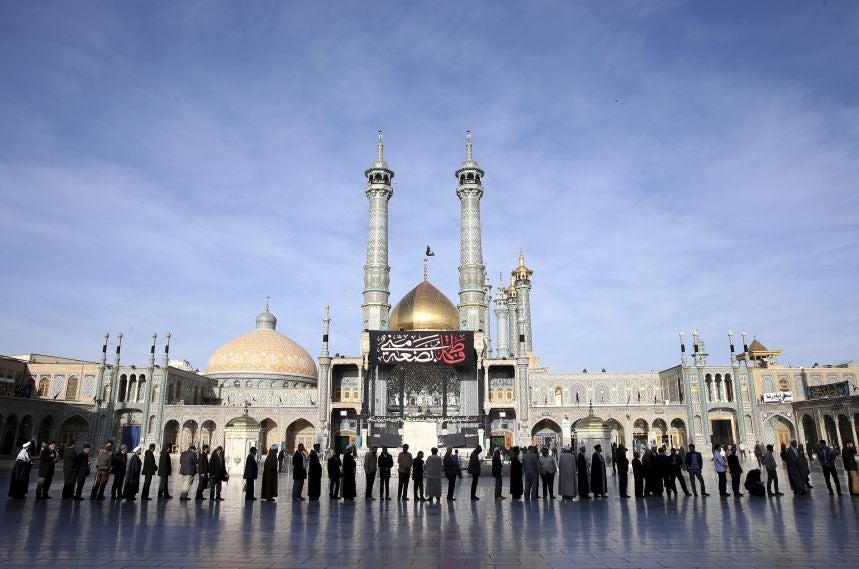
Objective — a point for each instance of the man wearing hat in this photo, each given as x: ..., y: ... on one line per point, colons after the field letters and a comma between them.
x: 21, y: 474
x: 188, y: 470
x: 132, y: 475
x: 82, y: 468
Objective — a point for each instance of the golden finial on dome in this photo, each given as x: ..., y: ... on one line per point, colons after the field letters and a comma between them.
x: 522, y: 272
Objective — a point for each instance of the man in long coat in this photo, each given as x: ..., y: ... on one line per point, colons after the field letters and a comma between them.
x: 314, y: 473
x: 118, y: 464
x: 299, y: 472
x: 599, y: 483
x: 567, y: 474
x: 251, y: 473
x: 132, y: 476
x: 148, y: 471
x: 69, y: 470
x: 622, y: 463
x: 794, y: 470
x: 21, y: 474
x: 582, y: 471
x: 370, y: 468
x: 269, y: 476
x: 47, y: 463
x: 334, y: 475
x: 217, y: 474
x: 165, y: 469
x: 203, y: 471
x: 433, y: 475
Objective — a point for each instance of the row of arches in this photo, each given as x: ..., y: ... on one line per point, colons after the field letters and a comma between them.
x: 719, y: 388
x: 15, y: 431
x: 131, y: 388
x: 548, y: 431
x: 176, y: 436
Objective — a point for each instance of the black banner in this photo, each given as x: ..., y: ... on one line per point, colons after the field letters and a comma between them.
x: 450, y: 348
x: 840, y: 389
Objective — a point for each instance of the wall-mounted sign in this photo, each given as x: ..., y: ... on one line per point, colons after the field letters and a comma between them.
x: 451, y: 348
x: 778, y: 397
x: 840, y: 389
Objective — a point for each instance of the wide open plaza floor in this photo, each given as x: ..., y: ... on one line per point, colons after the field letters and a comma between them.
x: 812, y: 531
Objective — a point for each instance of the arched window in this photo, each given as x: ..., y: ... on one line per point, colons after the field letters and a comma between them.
x: 237, y: 383
x: 729, y: 388
x: 123, y: 386
x: 44, y: 386
x: 708, y: 381
x: 72, y: 388
x: 141, y: 389
x: 132, y: 388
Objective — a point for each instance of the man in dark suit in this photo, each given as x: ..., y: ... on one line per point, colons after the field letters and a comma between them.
x: 69, y: 470
x: 251, y: 471
x: 149, y: 469
x: 386, y: 463
x: 735, y: 469
x: 81, y: 470
x: 188, y: 470
x: 694, y: 464
x: 48, y: 458
x: 203, y: 471
x: 299, y: 473
x: 826, y: 458
x: 165, y: 469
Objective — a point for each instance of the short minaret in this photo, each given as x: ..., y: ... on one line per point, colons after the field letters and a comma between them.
x: 99, y: 393
x: 487, y: 318
x: 114, y: 392
x: 472, y: 298
x: 377, y: 273
x: 322, y: 383
x: 522, y: 278
x: 512, y: 319
x: 700, y: 351
x: 682, y: 348
x: 160, y: 397
x: 502, y: 322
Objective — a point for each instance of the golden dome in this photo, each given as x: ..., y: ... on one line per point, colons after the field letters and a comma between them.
x: 522, y: 272
x: 262, y: 351
x: 424, y: 308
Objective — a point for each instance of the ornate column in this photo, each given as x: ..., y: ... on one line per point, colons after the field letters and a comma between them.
x: 323, y: 382
x: 472, y: 298
x: 502, y: 325
x: 377, y: 273
x: 522, y: 276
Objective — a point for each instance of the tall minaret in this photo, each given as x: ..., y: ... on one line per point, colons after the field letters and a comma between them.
x: 522, y: 276
x: 322, y: 384
x: 377, y: 273
x: 472, y: 296
x: 502, y: 322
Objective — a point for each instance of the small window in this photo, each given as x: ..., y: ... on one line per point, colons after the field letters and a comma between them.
x: 783, y: 385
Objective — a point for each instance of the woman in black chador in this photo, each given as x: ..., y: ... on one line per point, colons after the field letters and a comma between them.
x: 349, y: 468
x: 516, y: 474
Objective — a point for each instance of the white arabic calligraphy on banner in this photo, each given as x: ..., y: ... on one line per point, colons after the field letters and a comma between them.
x: 778, y: 397
x: 452, y: 348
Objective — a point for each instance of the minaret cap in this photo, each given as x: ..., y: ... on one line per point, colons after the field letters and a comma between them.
x: 380, y: 163
x: 266, y: 320
x: 522, y: 272
x: 469, y: 164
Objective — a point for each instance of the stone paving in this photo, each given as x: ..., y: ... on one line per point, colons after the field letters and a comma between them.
x: 816, y: 531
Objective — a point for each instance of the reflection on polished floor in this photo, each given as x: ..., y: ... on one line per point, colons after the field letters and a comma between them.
x: 816, y: 531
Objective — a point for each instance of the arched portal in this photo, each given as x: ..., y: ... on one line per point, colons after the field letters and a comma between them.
x: 25, y: 431
x: 660, y: 432
x: 170, y: 435
x: 270, y: 436
x: 300, y: 431
x: 190, y: 431
x: 778, y: 430
x: 74, y: 429
x: 208, y: 435
x: 123, y: 387
x: 678, y: 435
x: 617, y: 431
x: 831, y: 431
x: 9, y: 430
x: 809, y: 431
x: 640, y: 431
x: 546, y: 432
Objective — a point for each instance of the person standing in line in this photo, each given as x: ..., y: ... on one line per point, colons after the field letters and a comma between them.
x: 567, y: 474
x: 386, y: 464
x: 848, y: 457
x: 547, y: 474
x: 735, y: 470
x: 451, y: 471
x: 418, y: 477
x: 69, y: 458
x: 584, y: 475
x: 404, y: 469
x: 47, y: 464
x: 370, y: 468
x: 148, y: 471
x: 350, y: 467
x: 132, y: 476
x: 250, y: 475
x: 188, y: 470
x: 531, y: 468
x: 458, y: 465
x: 102, y: 473
x: 433, y: 474
x: 795, y: 476
x: 826, y: 458
x: 663, y: 466
x: 721, y: 468
x: 742, y: 448
x: 300, y: 465
x: 694, y: 464
x: 675, y: 466
x: 20, y: 480
x: 474, y: 470
x: 203, y: 471
x: 638, y: 475
x: 268, y: 491
x: 622, y: 470
x: 614, y: 458
x: 118, y: 464
x: 516, y: 473
x: 497, y: 472
x: 759, y: 453
x: 599, y: 482
x: 334, y: 475
x: 165, y: 469
x: 281, y: 458
x: 217, y: 474
x: 82, y: 467
x: 771, y: 465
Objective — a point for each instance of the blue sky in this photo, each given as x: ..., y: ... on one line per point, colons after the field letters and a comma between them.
x: 664, y: 166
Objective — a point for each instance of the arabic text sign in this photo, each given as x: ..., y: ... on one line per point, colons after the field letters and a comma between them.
x: 778, y: 397
x: 451, y: 348
x: 840, y: 389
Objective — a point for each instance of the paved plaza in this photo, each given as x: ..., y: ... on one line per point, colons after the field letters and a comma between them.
x: 816, y: 531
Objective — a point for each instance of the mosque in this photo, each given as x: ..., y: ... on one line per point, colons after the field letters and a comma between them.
x: 427, y: 373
